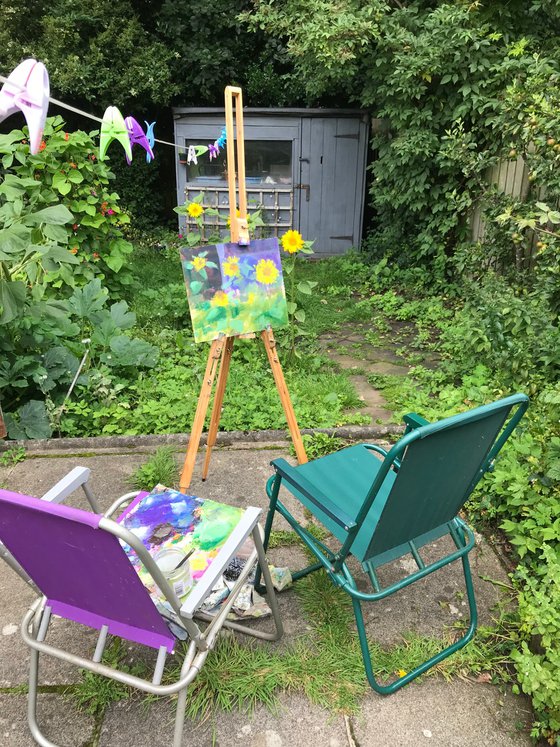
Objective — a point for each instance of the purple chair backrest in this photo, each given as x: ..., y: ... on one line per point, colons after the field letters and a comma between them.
x: 81, y: 569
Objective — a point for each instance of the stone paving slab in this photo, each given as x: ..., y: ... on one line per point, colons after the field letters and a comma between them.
x: 58, y: 719
x: 447, y: 714
x: 455, y: 714
x: 297, y: 723
x: 238, y: 476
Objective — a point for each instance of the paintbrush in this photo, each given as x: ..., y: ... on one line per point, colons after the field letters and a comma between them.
x: 187, y: 556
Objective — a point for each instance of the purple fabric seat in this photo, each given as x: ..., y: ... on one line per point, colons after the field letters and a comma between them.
x: 81, y: 569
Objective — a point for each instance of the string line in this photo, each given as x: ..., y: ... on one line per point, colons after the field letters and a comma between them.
x: 70, y: 108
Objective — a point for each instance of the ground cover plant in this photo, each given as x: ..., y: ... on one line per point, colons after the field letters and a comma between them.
x: 163, y: 399
x: 492, y: 339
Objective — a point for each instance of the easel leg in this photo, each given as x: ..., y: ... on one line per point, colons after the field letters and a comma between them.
x: 201, y: 409
x: 218, y: 401
x: 270, y: 346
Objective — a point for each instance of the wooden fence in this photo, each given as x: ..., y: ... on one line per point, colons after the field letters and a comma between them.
x: 511, y: 178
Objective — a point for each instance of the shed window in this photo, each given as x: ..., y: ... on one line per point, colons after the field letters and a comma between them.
x: 266, y: 162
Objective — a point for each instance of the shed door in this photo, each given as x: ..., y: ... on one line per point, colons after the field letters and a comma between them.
x: 332, y: 182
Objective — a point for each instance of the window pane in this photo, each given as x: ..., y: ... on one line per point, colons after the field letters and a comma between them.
x: 266, y: 162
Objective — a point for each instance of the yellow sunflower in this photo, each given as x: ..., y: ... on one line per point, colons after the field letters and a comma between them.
x: 199, y: 263
x: 195, y: 210
x: 219, y: 299
x: 266, y: 271
x: 292, y: 241
x: 230, y: 266
x: 237, y: 213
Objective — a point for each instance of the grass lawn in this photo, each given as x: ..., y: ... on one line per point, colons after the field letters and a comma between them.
x: 163, y: 399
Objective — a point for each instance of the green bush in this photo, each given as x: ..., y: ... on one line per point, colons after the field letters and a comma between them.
x: 85, y: 239
x: 41, y: 349
x: 60, y: 239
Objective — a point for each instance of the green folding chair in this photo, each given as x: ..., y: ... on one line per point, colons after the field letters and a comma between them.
x: 380, y: 508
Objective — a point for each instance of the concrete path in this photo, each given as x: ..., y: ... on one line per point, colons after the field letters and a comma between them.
x: 460, y: 713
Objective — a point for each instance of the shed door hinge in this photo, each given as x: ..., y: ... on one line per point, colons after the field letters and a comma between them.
x: 350, y: 137
x: 343, y: 238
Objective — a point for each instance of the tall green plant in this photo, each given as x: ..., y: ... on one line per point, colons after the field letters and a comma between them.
x: 59, y: 220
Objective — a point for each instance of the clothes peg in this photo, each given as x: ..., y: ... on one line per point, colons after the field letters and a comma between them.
x: 113, y: 128
x: 137, y: 136
x: 191, y: 155
x: 27, y: 89
x: 213, y: 151
x: 151, y: 139
x: 200, y: 150
x: 221, y: 141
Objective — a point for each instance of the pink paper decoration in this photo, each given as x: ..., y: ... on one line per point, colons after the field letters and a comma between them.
x: 27, y: 90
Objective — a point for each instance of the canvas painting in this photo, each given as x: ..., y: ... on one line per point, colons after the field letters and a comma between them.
x: 234, y: 290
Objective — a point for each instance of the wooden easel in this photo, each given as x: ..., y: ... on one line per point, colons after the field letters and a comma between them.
x: 221, y: 349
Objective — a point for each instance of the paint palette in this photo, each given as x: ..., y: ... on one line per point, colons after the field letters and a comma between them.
x: 166, y: 519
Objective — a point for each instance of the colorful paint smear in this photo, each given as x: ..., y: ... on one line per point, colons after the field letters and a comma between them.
x: 234, y: 290
x: 167, y: 519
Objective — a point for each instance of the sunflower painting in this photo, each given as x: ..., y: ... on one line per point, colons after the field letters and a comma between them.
x: 233, y: 290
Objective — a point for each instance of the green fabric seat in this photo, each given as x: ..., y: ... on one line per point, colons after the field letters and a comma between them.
x: 347, y: 476
x: 381, y: 505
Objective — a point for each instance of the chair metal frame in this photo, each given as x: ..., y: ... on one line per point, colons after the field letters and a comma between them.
x: 35, y: 624
x: 334, y: 562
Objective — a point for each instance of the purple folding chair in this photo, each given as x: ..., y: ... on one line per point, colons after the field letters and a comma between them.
x: 76, y: 561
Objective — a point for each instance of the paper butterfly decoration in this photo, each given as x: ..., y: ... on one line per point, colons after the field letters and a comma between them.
x: 113, y: 128
x: 27, y: 90
x: 151, y: 139
x: 137, y: 136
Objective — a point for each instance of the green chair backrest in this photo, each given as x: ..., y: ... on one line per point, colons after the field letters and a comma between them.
x: 441, y: 463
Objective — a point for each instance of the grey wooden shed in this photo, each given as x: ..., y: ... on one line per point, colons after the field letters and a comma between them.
x: 305, y: 168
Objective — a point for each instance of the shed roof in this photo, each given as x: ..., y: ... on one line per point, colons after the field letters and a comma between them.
x: 186, y: 111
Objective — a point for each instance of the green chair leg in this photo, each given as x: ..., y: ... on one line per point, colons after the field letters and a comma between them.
x: 417, y: 671
x: 272, y: 490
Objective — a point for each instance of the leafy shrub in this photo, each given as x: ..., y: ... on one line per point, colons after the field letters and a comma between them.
x: 41, y: 351
x: 79, y: 237
x: 60, y: 237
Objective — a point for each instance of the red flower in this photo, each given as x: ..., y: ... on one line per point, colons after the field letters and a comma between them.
x: 66, y: 136
x: 96, y: 255
x: 75, y: 227
x: 43, y: 145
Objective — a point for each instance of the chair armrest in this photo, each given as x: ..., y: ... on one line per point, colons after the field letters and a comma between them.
x: 412, y: 421
x: 373, y: 447
x: 319, y: 499
x: 75, y: 479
